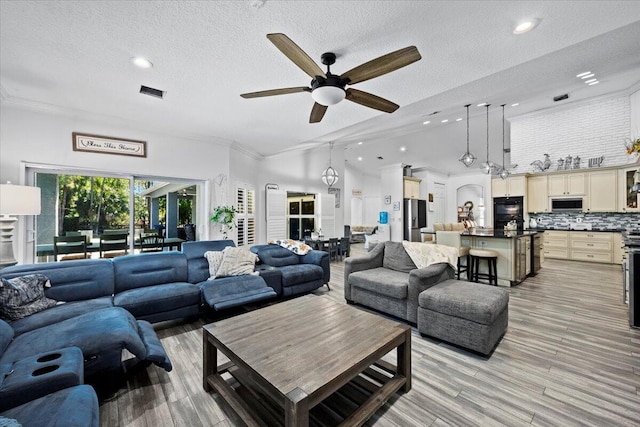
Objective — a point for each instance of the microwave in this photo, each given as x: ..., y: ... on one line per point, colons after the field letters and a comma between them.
x: 566, y: 205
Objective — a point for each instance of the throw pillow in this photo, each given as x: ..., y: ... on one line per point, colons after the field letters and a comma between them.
x: 24, y: 295
x: 297, y: 248
x: 236, y: 262
x: 214, y: 258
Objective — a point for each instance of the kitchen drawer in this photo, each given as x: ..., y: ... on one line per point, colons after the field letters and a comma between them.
x: 555, y: 243
x: 585, y: 235
x: 591, y: 245
x: 556, y: 234
x: 592, y: 256
x: 555, y: 253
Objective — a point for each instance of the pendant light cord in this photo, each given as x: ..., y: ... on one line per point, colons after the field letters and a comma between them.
x: 488, y: 133
x: 503, y: 165
x: 467, y: 107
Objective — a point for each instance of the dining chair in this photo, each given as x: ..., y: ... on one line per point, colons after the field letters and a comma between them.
x: 150, y: 242
x: 114, y: 244
x: 70, y: 247
x: 331, y: 246
x: 343, y: 247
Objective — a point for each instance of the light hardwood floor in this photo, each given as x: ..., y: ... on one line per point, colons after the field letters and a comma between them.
x: 568, y: 358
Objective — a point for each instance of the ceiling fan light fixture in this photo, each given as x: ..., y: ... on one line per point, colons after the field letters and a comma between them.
x: 328, y: 95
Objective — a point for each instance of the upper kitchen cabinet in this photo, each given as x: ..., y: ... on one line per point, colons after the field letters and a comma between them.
x: 411, y: 187
x: 602, y: 191
x: 627, y: 201
x: 570, y: 184
x: 537, y: 199
x: 510, y: 187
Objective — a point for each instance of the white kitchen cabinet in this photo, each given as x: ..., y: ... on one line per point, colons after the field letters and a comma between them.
x: 567, y: 184
x: 537, y: 199
x: 511, y: 187
x: 602, y: 191
x: 411, y: 187
x: 627, y: 201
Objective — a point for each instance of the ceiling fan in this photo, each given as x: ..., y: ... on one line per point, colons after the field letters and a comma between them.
x: 329, y: 89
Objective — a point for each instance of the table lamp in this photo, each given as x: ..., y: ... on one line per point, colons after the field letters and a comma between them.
x: 14, y: 200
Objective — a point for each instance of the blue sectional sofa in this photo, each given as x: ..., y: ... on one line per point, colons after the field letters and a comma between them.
x: 107, y: 305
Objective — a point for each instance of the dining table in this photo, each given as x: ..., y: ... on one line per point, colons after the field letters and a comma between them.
x: 46, y: 249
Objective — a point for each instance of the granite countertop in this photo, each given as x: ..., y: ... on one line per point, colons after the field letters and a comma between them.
x: 500, y: 234
x: 595, y: 230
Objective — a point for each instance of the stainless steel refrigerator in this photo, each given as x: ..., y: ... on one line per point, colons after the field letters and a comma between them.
x: 415, y: 217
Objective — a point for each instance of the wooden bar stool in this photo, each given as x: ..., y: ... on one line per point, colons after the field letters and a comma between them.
x: 453, y: 239
x: 478, y: 255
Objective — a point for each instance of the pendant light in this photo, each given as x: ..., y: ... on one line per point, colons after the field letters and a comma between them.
x: 467, y: 158
x: 504, y: 171
x: 488, y: 167
x: 330, y: 175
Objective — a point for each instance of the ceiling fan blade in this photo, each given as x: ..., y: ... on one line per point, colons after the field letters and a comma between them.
x: 295, y: 54
x: 371, y: 101
x: 317, y: 113
x: 272, y: 92
x: 382, y: 65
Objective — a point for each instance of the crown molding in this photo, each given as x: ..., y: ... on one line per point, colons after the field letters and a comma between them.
x: 235, y: 146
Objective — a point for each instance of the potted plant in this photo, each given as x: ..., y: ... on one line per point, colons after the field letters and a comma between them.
x: 226, y: 217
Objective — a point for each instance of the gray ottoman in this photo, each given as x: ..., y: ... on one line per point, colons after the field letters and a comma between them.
x: 467, y: 314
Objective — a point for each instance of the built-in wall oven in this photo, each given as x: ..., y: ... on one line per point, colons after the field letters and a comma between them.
x: 507, y: 209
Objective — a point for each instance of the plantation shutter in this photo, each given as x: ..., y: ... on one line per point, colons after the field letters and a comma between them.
x: 328, y: 214
x: 245, y: 200
x: 276, y: 214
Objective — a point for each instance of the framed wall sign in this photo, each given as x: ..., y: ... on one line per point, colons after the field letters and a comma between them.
x: 108, y: 145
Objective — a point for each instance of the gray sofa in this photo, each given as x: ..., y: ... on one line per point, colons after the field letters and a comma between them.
x: 387, y: 280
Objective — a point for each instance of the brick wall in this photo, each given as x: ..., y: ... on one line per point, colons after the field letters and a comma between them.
x: 587, y: 129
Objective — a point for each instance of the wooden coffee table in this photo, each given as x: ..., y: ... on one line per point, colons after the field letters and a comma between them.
x: 289, y: 357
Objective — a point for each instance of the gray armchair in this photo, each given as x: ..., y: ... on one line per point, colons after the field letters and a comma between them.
x: 387, y: 280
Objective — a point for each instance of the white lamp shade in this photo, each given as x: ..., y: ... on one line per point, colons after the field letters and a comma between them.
x: 19, y: 200
x: 328, y: 95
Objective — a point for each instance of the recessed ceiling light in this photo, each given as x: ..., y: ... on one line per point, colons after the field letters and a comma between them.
x: 360, y: 143
x: 141, y: 62
x: 459, y: 119
x: 525, y: 27
x: 515, y: 105
x: 403, y: 148
x: 591, y: 80
x: 445, y: 120
x: 587, y: 76
x: 359, y: 158
x: 594, y: 83
x: 481, y: 105
x: 426, y: 123
x: 583, y: 74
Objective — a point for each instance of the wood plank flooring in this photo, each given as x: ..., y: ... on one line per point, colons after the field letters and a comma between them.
x: 569, y: 358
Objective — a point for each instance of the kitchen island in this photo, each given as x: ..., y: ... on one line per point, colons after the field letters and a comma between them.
x: 519, y: 254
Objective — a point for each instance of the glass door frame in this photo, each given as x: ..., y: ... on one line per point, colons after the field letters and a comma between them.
x: 26, y: 235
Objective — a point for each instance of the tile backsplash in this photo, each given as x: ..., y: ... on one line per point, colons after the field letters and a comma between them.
x: 602, y: 221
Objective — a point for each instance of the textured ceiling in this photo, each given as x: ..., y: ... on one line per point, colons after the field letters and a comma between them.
x: 75, y: 56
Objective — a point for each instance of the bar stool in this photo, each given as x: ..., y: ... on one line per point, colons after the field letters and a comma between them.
x: 453, y: 239
x: 478, y: 255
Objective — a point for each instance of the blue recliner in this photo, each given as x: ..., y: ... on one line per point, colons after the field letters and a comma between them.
x: 225, y: 292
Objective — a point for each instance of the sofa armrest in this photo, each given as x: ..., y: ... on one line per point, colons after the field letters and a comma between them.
x: 421, y: 279
x: 320, y: 258
x: 368, y: 261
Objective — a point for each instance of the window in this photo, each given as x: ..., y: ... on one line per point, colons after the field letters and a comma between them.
x: 246, y: 218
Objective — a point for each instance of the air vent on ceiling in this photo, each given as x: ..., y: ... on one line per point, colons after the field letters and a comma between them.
x: 146, y: 90
x: 560, y: 97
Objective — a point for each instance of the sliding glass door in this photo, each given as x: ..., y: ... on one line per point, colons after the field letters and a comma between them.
x: 93, y: 203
